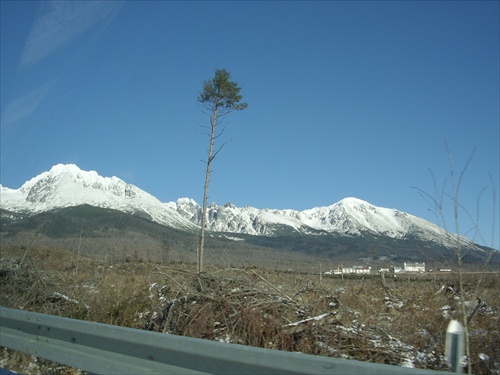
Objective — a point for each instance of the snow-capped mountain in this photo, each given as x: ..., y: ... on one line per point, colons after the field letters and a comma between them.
x: 67, y: 186
x: 350, y: 216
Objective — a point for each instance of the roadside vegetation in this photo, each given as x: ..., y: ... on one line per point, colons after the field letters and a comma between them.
x: 450, y: 196
x: 400, y: 321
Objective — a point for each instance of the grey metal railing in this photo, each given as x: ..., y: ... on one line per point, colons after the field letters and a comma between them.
x: 106, y: 349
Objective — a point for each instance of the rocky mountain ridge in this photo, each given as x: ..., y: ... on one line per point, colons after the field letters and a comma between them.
x: 68, y: 185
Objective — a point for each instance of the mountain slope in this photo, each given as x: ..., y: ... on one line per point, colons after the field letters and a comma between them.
x: 113, y: 234
x: 69, y: 186
x: 348, y: 217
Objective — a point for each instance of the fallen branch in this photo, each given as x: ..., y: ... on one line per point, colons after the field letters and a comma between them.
x: 314, y: 318
x: 274, y: 287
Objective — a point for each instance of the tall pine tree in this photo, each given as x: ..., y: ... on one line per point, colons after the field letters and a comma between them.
x: 219, y: 97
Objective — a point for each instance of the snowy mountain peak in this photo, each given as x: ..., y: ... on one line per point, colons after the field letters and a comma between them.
x: 57, y: 170
x: 68, y: 168
x: 67, y: 181
x: 187, y: 201
x: 71, y: 172
x: 66, y: 185
x: 352, y: 201
x: 356, y: 204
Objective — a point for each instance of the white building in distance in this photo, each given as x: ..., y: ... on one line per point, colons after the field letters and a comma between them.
x: 414, y: 267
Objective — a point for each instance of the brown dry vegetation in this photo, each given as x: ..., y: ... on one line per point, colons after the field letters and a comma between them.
x: 394, y: 321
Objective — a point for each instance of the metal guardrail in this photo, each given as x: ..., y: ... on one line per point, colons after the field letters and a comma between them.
x: 106, y: 349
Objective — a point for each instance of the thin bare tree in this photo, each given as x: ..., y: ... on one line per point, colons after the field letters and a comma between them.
x: 437, y: 206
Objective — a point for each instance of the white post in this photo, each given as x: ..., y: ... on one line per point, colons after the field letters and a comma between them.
x: 455, y: 345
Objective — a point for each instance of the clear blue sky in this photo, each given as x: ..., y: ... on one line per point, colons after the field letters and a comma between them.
x: 345, y: 98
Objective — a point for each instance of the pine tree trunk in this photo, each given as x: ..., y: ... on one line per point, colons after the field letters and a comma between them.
x: 205, y: 190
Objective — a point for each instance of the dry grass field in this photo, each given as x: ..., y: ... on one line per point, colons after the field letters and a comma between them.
x: 400, y: 321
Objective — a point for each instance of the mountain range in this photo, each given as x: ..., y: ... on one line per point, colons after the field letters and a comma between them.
x: 65, y: 186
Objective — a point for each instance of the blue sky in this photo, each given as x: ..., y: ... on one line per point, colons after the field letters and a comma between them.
x: 345, y: 99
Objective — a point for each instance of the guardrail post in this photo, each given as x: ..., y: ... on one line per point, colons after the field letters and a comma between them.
x: 455, y: 345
